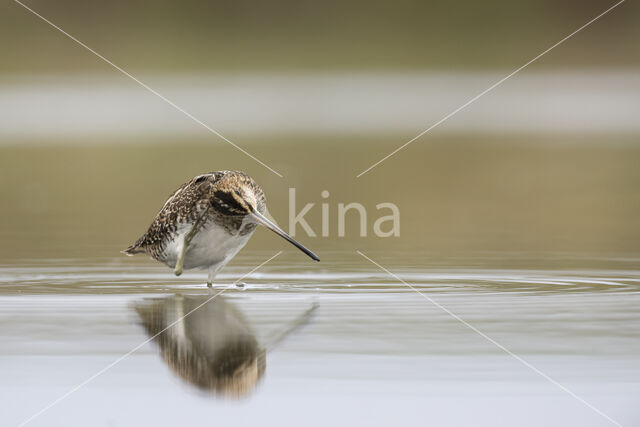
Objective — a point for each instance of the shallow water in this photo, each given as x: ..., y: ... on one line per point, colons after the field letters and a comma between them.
x: 374, y: 351
x: 524, y: 245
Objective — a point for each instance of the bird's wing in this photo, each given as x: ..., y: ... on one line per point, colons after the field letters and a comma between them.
x: 184, y: 205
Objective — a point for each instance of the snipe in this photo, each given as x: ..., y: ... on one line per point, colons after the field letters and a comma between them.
x: 206, y: 221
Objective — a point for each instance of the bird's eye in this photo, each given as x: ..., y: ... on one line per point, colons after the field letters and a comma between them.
x: 237, y: 193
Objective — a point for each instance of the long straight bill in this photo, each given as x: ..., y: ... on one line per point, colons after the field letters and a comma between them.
x: 261, y: 219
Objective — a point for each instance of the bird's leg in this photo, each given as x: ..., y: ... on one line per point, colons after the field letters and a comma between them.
x: 187, y: 239
x: 180, y: 262
x: 212, y: 275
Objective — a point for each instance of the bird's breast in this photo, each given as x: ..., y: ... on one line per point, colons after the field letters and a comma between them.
x: 213, y: 245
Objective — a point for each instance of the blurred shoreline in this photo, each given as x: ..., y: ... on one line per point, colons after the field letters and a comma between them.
x: 45, y: 108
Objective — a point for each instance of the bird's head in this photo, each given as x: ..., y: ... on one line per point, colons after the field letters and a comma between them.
x: 236, y: 194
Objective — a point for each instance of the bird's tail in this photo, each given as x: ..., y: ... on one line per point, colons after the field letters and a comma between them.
x: 132, y: 250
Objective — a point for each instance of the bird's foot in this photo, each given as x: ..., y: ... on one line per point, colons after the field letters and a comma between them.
x: 237, y: 285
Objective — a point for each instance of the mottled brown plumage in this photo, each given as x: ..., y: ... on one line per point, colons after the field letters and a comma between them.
x: 190, y: 201
x: 206, y: 221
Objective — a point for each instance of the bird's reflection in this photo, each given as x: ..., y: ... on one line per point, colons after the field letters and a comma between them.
x: 208, y: 342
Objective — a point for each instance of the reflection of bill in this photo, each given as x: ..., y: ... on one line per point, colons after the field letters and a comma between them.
x: 213, y: 348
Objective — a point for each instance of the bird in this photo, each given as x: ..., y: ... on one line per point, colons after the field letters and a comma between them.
x: 213, y: 349
x: 210, y: 344
x: 205, y: 223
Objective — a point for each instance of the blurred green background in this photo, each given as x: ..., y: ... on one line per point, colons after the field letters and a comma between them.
x: 319, y: 91
x: 312, y: 35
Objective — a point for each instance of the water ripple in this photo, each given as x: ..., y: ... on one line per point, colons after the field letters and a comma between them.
x: 113, y: 277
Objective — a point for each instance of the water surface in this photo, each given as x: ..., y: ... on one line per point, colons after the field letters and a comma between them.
x: 531, y: 241
x: 374, y: 350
